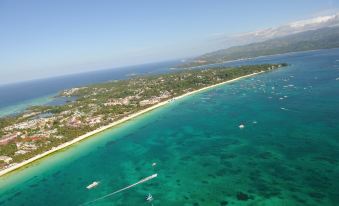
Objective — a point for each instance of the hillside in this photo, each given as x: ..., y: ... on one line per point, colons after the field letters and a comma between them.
x: 323, y: 38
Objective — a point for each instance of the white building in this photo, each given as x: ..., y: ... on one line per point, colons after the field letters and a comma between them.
x: 6, y: 159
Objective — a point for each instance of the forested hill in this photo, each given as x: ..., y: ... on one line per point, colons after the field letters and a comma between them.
x: 323, y: 38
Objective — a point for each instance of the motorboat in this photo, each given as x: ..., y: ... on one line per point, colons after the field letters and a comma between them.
x: 91, y: 186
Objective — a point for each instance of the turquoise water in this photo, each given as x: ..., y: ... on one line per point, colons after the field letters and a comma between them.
x: 287, y: 154
x: 20, y: 107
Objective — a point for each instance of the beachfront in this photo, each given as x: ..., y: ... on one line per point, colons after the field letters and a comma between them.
x: 82, y: 137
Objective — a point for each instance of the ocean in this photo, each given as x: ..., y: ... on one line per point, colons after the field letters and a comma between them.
x: 286, y: 154
x: 16, y: 97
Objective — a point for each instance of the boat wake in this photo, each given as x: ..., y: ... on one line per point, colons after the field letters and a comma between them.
x: 125, y: 188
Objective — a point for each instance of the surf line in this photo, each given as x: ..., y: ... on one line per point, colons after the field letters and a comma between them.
x: 125, y: 188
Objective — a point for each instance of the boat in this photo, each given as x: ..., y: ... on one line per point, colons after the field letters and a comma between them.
x: 149, y: 197
x: 91, y: 186
x: 241, y: 126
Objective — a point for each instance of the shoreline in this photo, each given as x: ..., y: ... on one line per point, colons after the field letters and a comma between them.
x: 103, y: 128
x: 254, y: 58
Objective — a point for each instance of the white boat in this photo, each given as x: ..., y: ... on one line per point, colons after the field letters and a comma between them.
x: 149, y: 197
x: 91, y: 186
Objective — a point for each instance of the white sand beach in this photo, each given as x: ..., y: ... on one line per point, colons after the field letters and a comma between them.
x: 82, y: 137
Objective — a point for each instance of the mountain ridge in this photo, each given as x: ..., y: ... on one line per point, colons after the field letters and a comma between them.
x: 323, y: 38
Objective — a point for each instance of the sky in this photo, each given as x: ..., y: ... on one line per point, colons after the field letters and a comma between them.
x: 41, y: 39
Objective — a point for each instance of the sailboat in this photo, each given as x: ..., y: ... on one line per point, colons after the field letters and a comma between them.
x: 149, y: 197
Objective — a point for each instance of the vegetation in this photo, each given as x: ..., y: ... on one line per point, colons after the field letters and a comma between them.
x: 8, y: 149
x: 41, y: 128
x: 324, y: 38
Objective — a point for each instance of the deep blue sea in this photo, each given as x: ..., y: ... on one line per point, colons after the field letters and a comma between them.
x: 287, y: 154
x: 18, y: 96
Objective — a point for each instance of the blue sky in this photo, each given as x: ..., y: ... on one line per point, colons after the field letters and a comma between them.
x: 47, y: 38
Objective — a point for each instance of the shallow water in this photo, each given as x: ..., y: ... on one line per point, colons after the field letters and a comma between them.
x: 287, y: 153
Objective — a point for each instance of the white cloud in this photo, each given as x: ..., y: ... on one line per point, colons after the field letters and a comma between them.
x: 280, y: 31
x: 317, y: 20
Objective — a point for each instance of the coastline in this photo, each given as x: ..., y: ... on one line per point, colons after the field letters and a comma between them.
x: 254, y: 58
x: 103, y: 128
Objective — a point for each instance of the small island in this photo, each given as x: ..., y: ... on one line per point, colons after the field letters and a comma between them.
x: 42, y: 130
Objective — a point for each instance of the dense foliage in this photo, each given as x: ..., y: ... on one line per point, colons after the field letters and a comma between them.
x: 324, y: 38
x: 41, y: 128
